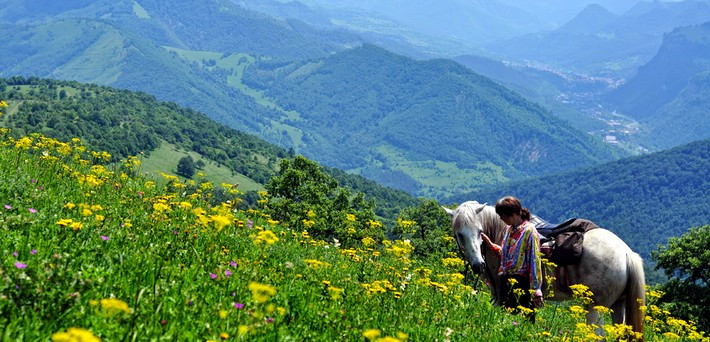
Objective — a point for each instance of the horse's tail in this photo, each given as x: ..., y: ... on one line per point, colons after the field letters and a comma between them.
x: 635, y: 292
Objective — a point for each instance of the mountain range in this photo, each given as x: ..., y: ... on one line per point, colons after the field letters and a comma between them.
x: 420, y: 120
x: 671, y: 93
x: 644, y: 199
x: 602, y: 43
x: 323, y: 93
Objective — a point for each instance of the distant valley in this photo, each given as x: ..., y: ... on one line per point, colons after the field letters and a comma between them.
x: 433, y: 129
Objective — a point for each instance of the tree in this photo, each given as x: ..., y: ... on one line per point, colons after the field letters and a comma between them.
x: 186, y: 167
x: 428, y: 228
x: 686, y: 261
x: 304, y: 197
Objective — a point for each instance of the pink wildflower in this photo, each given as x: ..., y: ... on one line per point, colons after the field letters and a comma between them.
x: 20, y: 265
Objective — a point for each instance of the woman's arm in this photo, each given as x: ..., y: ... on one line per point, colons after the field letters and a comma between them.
x: 535, y: 266
x: 497, y: 250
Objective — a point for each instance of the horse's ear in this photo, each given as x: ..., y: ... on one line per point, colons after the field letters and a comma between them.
x: 448, y: 211
x: 483, y: 206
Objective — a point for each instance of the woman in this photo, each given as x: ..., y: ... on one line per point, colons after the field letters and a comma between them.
x: 520, y: 257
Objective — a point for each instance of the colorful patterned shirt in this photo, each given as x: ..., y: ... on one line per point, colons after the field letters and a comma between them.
x: 520, y: 254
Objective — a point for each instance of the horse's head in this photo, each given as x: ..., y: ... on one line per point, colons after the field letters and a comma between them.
x: 467, y: 226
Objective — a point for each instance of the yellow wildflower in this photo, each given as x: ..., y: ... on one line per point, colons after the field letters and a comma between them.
x: 65, y: 222
x: 23, y: 143
x: 243, y: 329
x: 113, y: 306
x: 388, y: 339
x: 261, y: 292
x: 316, y: 264
x: 267, y: 237
x: 335, y: 292
x: 371, y: 334
x: 374, y: 224
x: 75, y: 335
x: 160, y: 207
x: 220, y: 221
x: 453, y: 262
x: 368, y: 241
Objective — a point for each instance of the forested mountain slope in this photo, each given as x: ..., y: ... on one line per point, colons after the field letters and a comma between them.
x: 672, y: 92
x: 367, y: 109
x: 127, y: 123
x: 362, y: 109
x: 645, y: 200
x: 124, y: 44
x: 215, y: 25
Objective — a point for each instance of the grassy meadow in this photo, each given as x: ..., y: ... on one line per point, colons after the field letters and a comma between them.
x: 93, y: 250
x: 164, y: 159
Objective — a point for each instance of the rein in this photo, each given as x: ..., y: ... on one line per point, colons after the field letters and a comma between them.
x: 468, y: 268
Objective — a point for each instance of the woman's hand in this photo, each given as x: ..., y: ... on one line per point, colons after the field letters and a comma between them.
x: 538, y: 301
x: 486, y: 239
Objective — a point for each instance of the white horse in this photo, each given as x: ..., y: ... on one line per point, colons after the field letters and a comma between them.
x: 608, y: 267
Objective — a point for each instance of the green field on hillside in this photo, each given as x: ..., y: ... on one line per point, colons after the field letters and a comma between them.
x: 165, y: 159
x: 235, y: 64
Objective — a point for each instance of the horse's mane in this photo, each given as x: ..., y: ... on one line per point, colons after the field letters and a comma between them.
x: 493, y: 226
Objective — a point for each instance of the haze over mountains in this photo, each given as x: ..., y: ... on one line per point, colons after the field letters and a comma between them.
x: 178, y: 53
x: 311, y: 79
x: 599, y: 42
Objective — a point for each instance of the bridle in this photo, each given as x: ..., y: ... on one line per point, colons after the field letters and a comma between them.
x: 468, y: 268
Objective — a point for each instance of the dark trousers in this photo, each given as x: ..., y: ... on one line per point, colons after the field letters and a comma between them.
x: 512, y: 300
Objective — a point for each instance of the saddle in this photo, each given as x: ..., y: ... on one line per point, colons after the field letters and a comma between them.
x: 562, y: 244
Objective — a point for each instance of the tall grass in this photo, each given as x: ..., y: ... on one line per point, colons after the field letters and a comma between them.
x: 92, y: 249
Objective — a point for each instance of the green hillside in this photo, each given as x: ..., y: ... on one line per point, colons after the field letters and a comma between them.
x: 94, y: 251
x: 172, y: 53
x: 538, y: 86
x: 429, y: 127
x: 126, y: 123
x: 645, y: 200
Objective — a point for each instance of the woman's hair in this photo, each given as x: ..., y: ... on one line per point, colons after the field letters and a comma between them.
x: 510, y: 205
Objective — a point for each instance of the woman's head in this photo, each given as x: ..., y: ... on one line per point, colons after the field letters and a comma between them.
x: 509, y: 206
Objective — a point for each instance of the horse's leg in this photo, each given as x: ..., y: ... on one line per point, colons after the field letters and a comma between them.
x: 593, y: 318
x: 618, y: 314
